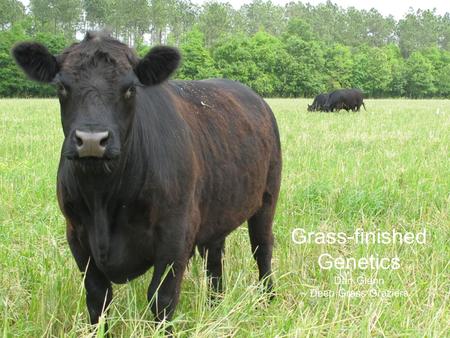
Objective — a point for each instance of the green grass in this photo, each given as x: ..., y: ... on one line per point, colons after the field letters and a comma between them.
x: 386, y: 168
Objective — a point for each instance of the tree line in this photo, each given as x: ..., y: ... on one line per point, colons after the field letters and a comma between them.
x: 296, y: 50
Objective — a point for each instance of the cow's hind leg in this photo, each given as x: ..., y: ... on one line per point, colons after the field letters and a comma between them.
x: 212, y: 252
x: 261, y: 239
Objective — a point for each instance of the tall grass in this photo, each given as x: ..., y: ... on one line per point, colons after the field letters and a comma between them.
x: 385, y: 168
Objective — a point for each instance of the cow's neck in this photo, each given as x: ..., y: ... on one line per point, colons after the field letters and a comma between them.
x: 99, y: 225
x: 123, y: 182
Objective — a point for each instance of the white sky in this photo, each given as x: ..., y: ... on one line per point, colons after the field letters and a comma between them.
x: 397, y: 8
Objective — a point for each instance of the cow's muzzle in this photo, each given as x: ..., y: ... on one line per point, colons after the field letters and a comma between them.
x: 91, y: 144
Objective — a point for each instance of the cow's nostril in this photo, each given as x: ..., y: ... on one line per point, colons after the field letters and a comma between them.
x: 79, y: 141
x: 103, y: 141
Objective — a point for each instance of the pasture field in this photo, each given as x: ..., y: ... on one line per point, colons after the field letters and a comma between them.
x: 387, y: 168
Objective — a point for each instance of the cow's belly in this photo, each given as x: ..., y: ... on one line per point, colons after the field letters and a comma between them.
x: 227, y: 209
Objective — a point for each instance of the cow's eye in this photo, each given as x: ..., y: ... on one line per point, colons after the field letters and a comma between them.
x: 62, y: 90
x: 130, y: 92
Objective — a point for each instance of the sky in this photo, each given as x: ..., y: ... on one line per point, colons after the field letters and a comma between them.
x: 397, y: 8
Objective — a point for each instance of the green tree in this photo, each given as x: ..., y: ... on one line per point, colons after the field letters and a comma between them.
x: 296, y: 10
x: 418, y: 31
x: 440, y: 59
x: 371, y: 72
x: 443, y: 81
x: 270, y: 57
x: 338, y: 66
x: 234, y: 57
x: 304, y: 71
x: 263, y: 14
x: 11, y: 11
x: 419, y: 76
x: 56, y: 16
x: 366, y: 27
x: 12, y: 81
x: 216, y: 21
x: 11, y: 78
x: 300, y: 28
x: 197, y: 62
x: 326, y: 20
x: 183, y: 17
x: 296, y: 50
x: 97, y: 13
x: 397, y: 85
x: 160, y: 11
x: 444, y: 32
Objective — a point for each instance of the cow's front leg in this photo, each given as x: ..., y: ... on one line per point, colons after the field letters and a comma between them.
x: 98, y: 292
x: 98, y: 287
x: 172, y: 251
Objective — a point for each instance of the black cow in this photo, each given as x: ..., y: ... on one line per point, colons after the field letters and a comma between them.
x: 151, y: 169
x: 348, y: 99
x: 318, y: 103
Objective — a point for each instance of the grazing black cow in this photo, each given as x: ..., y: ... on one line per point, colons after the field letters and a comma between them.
x: 318, y: 103
x: 348, y: 99
x: 151, y: 168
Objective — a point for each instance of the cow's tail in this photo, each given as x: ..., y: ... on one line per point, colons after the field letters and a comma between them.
x: 364, y: 106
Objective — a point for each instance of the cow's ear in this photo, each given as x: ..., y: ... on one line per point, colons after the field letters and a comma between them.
x: 157, y: 66
x: 36, y: 61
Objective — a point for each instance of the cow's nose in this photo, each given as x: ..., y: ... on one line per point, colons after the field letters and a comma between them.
x: 91, y: 144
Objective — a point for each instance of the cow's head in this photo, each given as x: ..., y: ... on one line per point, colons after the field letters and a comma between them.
x: 97, y: 80
x: 310, y: 107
